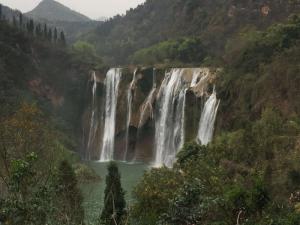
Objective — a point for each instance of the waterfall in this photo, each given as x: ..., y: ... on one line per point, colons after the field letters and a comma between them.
x: 207, y: 121
x: 93, y: 123
x: 169, y: 130
x: 112, y: 82
x: 129, y: 112
x: 164, y: 136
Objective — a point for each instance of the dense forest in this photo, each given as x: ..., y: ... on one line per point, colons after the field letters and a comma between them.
x: 213, y: 22
x: 248, y: 175
x: 38, y: 110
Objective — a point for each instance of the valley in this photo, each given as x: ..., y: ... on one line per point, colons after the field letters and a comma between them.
x: 177, y: 112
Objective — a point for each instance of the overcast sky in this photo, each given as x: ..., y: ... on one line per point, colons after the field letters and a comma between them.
x: 92, y: 8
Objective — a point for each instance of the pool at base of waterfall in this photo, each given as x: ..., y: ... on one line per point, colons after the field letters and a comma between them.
x: 93, y: 193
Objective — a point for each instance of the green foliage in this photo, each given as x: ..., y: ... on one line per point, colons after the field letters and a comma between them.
x: 114, y: 202
x: 84, y: 53
x: 242, y: 176
x: 260, y: 47
x: 185, y: 50
x: 26, y: 201
x: 34, y: 192
x: 261, y: 71
x: 190, y: 206
x: 213, y: 21
x: 153, y: 193
x: 69, y: 198
x: 189, y: 151
x: 85, y: 174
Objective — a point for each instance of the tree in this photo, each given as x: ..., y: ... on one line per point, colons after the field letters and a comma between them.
x: 49, y: 36
x: 153, y: 194
x: 45, y: 31
x: 26, y: 143
x: 30, y: 27
x: 21, y: 20
x: 0, y: 11
x: 69, y: 198
x: 14, y: 21
x: 55, y: 35
x: 38, y: 30
x: 62, y: 38
x: 114, y: 202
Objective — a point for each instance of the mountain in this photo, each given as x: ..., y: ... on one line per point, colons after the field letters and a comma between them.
x: 54, y: 11
x: 57, y: 15
x: 213, y: 21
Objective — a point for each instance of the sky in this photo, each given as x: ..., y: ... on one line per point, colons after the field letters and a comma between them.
x: 92, y: 8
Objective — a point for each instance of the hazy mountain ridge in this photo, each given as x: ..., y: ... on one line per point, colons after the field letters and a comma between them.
x: 55, y: 11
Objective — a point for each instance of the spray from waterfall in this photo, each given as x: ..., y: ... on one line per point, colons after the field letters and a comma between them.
x: 112, y: 82
x: 129, y: 112
x: 93, y: 123
x: 207, y: 121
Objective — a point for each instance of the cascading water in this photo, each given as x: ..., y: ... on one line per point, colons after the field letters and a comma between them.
x: 169, y: 130
x: 166, y: 105
x: 207, y: 121
x: 93, y: 123
x: 112, y: 82
x: 129, y: 112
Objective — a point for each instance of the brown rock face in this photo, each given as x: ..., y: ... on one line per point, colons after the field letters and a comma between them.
x: 43, y: 90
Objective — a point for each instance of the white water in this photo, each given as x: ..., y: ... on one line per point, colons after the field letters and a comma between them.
x: 169, y: 130
x: 129, y: 112
x: 93, y: 123
x: 112, y: 82
x: 207, y: 121
x: 169, y: 113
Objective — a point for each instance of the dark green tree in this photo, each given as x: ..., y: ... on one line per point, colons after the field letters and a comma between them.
x: 49, y: 36
x: 0, y: 11
x: 38, y: 30
x: 55, y: 35
x: 45, y: 31
x: 69, y: 196
x: 114, y: 202
x: 30, y: 27
x: 21, y: 20
x: 14, y: 21
x: 62, y: 38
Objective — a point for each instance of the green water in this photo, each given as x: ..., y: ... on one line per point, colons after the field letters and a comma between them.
x: 94, y: 192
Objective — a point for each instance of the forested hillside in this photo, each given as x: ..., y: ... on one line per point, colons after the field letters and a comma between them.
x: 27, y: 70
x: 214, y: 22
x: 41, y: 86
